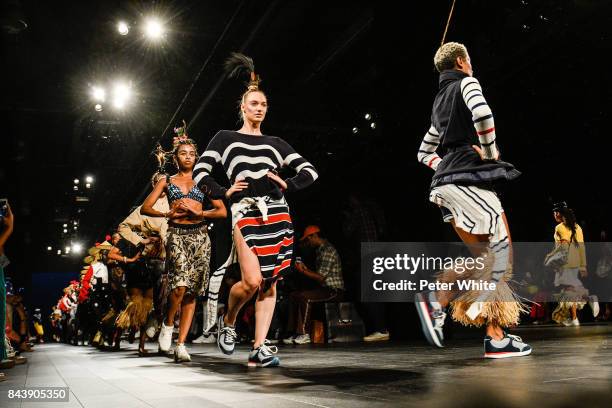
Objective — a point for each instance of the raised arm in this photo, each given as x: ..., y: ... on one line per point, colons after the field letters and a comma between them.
x: 481, y: 116
x: 306, y: 173
x: 427, y: 151
x: 128, y: 226
x: 203, y: 169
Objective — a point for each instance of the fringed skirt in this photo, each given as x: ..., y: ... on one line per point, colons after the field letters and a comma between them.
x: 266, y: 227
x: 188, y: 254
x: 479, y: 211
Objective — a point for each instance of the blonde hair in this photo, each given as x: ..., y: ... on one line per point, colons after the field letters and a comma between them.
x: 447, y: 54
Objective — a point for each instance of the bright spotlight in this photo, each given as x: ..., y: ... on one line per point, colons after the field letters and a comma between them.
x: 76, y: 181
x: 154, y: 29
x: 67, y: 250
x: 49, y: 248
x: 355, y: 130
x: 65, y: 231
x: 77, y: 248
x: 368, y: 116
x: 65, y: 225
x: 59, y: 251
x: 373, y: 125
x: 87, y: 185
x: 123, y: 28
x: 76, y: 188
x: 89, y: 179
x: 98, y: 107
x: 121, y: 94
x: 99, y: 94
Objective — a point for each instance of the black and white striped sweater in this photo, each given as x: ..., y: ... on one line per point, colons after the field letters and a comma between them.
x: 250, y: 158
x: 460, y: 117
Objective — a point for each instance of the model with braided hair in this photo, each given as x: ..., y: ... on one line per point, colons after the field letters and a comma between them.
x: 262, y: 227
x: 188, y: 244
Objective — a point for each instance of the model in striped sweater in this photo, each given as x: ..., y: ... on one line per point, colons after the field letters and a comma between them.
x: 460, y: 146
x: 262, y: 228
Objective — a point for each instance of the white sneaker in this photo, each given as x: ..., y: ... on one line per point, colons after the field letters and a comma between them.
x: 151, y: 327
x: 288, y: 340
x: 165, y: 338
x: 377, y: 336
x: 302, y: 339
x: 575, y: 322
x: 594, y: 303
x: 180, y: 354
x: 205, y: 339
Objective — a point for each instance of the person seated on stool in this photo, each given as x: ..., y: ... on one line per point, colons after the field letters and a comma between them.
x: 330, y: 284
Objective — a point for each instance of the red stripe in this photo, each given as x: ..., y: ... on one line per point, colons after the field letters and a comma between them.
x: 273, y: 249
x: 285, y: 264
x: 259, y: 220
x: 432, y: 160
x: 484, y: 132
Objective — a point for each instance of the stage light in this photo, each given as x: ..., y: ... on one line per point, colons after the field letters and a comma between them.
x: 154, y: 29
x: 87, y: 185
x: 59, y: 251
x: 65, y: 225
x: 77, y: 248
x: 65, y: 231
x: 123, y: 28
x: 75, y: 228
x: 67, y: 250
x: 75, y: 188
x: 76, y: 181
x: 75, y: 223
x: 355, y: 130
x: 121, y: 94
x: 99, y: 94
x: 89, y: 179
x: 49, y: 248
x: 98, y: 107
x: 373, y: 125
x: 368, y: 116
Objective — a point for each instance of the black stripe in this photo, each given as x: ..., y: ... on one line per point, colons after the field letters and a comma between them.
x: 472, y: 97
x: 432, y: 134
x: 488, y: 144
x: 467, y: 84
x: 431, y: 143
x: 485, y: 117
x: 487, y: 204
x: 425, y: 151
x: 499, y: 242
x: 468, y: 218
x: 473, y: 90
x: 481, y: 206
x: 477, y: 105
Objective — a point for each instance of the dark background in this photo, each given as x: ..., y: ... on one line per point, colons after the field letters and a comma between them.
x: 324, y: 65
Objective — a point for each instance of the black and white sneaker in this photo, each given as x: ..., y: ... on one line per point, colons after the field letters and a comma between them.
x: 263, y: 356
x: 509, y: 346
x: 226, y: 340
x: 432, y: 317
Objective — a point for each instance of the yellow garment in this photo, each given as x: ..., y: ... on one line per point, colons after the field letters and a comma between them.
x: 136, y: 222
x: 577, y: 255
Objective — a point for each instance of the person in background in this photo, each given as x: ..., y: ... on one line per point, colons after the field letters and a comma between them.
x: 328, y: 276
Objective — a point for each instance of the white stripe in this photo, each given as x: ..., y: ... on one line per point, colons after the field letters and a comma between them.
x: 199, y: 178
x: 229, y: 148
x: 291, y: 158
x: 301, y: 166
x: 312, y: 173
x: 269, y: 236
x: 251, y: 160
x: 252, y: 174
x: 211, y: 153
x: 204, y: 166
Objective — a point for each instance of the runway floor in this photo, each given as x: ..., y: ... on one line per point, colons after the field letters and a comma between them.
x: 569, y: 367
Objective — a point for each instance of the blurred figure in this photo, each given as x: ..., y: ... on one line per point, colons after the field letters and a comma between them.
x: 328, y: 276
x: 568, y: 237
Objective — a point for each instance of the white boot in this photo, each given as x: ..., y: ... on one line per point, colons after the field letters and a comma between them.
x: 165, y: 338
x: 181, y: 354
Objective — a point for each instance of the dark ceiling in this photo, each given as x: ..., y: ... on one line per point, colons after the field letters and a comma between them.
x: 324, y: 65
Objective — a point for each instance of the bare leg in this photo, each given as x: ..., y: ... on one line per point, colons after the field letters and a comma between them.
x: 264, y: 311
x: 176, y: 297
x: 251, y: 279
x: 574, y: 309
x: 187, y: 310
